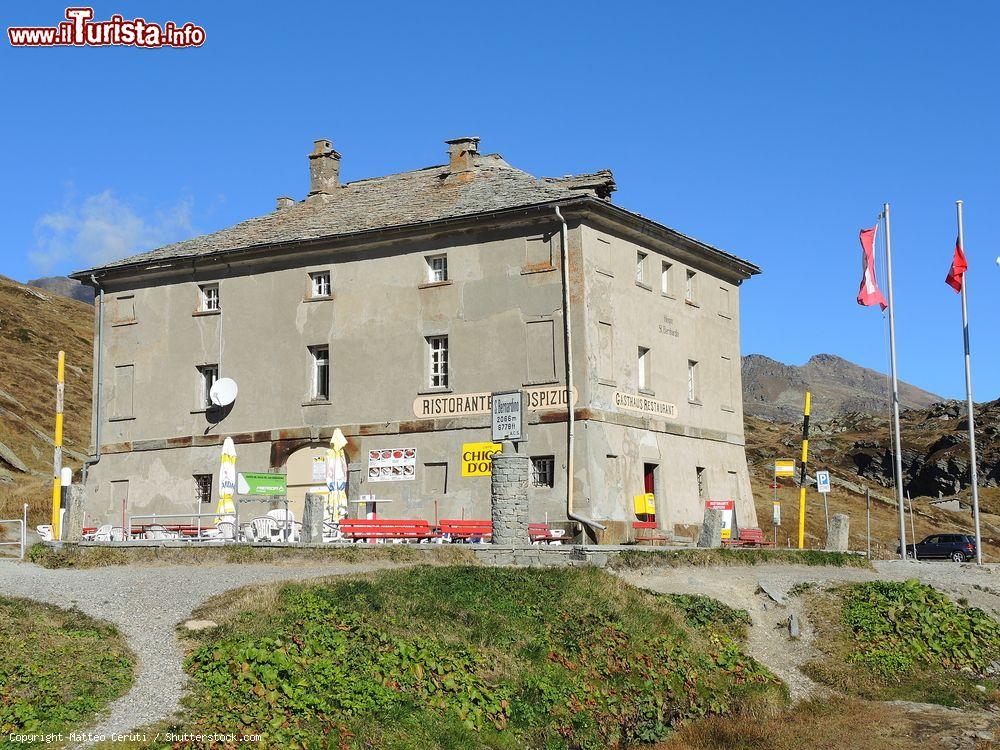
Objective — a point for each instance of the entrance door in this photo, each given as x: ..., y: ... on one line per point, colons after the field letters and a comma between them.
x: 648, y: 477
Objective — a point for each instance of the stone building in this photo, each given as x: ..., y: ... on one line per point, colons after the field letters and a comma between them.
x: 392, y: 307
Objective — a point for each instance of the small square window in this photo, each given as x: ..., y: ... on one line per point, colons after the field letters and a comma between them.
x: 209, y: 374
x: 543, y: 471
x: 210, y: 300
x: 203, y: 488
x: 319, y: 284
x: 438, y: 361
x: 437, y: 268
x: 320, y: 372
x: 640, y: 267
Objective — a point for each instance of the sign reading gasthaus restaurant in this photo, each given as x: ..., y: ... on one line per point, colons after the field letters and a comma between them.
x: 648, y: 406
x: 542, y: 398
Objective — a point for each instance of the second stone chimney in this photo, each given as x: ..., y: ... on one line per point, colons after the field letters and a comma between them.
x: 324, y: 168
x: 461, y: 152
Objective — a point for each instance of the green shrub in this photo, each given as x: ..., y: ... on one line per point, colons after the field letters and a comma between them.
x: 705, y: 612
x: 441, y: 657
x: 899, y: 625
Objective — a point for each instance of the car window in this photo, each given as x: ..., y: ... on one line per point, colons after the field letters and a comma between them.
x: 933, y: 539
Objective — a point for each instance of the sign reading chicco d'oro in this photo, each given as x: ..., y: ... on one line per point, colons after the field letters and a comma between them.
x: 648, y: 406
x: 539, y: 398
x: 477, y: 459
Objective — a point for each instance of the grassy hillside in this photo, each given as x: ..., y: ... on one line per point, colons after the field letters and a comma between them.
x: 34, y: 326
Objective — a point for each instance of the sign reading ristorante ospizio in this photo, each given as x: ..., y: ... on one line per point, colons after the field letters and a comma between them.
x: 646, y: 405
x: 537, y: 398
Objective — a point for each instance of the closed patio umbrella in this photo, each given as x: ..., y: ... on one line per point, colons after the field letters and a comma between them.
x: 336, y: 478
x: 227, y: 480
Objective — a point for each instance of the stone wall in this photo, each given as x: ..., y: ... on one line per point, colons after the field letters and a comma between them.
x: 509, y: 489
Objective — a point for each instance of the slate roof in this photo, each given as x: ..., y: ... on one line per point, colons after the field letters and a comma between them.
x: 408, y: 198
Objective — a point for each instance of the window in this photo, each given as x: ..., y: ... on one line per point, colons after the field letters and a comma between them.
x: 734, y: 486
x: 124, y: 310
x: 640, y: 267
x: 689, y: 286
x: 320, y: 372
x: 702, y: 489
x: 727, y: 387
x: 319, y: 283
x: 210, y: 298
x: 123, y: 394
x: 203, y: 488
x: 209, y: 375
x: 438, y: 361
x: 665, y: 279
x: 543, y: 471
x: 437, y: 268
x: 436, y: 478
x: 692, y: 380
x: 724, y: 309
x: 540, y: 344
x: 605, y: 352
x: 643, y: 368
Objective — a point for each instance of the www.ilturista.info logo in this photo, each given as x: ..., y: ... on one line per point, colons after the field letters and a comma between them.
x: 80, y: 30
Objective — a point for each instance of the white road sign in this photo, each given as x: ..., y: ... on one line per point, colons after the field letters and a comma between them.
x: 508, y: 416
x: 823, y: 481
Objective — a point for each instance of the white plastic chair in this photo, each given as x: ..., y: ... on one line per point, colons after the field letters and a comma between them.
x: 102, y: 534
x: 45, y: 532
x: 263, y: 529
x: 226, y: 529
x: 158, y: 532
x: 286, y: 524
x: 117, y: 534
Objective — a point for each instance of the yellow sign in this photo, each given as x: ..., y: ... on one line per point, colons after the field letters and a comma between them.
x: 784, y: 467
x: 644, y: 504
x: 477, y: 459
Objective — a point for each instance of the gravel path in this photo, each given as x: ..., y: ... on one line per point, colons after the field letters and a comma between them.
x: 146, y: 604
x: 740, y: 587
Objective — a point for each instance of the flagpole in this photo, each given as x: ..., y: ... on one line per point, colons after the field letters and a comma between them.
x: 898, y: 464
x: 968, y: 395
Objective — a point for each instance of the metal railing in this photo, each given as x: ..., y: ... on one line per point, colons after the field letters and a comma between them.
x: 23, y: 523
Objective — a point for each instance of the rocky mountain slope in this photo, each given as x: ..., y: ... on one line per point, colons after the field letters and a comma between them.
x: 34, y: 326
x: 774, y: 390
x: 65, y: 287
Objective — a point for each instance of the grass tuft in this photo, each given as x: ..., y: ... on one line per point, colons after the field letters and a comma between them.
x: 634, y: 559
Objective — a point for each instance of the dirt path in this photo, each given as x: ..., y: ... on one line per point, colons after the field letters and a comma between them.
x: 147, y: 604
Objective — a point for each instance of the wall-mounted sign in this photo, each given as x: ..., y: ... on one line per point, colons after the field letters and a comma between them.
x: 257, y: 483
x: 319, y: 469
x: 537, y: 398
x: 784, y: 467
x: 728, y: 508
x: 392, y: 465
x: 649, y: 406
x: 477, y: 459
x: 508, y: 416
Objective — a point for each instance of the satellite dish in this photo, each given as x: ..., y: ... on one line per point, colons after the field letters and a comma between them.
x: 223, y: 392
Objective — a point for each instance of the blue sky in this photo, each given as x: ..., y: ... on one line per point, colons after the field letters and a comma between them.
x: 773, y: 130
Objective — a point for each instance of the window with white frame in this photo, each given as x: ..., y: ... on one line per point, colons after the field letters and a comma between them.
x: 210, y: 300
x: 319, y: 284
x: 208, y: 375
x: 640, y: 267
x: 692, y: 380
x: 203, y: 488
x: 543, y: 471
x: 689, y: 286
x: 320, y: 372
x: 665, y: 287
x: 642, y: 368
x: 438, y: 361
x: 437, y: 268
x: 700, y: 476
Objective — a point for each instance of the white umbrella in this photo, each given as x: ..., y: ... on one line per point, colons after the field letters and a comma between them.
x: 227, y: 480
x: 336, y: 478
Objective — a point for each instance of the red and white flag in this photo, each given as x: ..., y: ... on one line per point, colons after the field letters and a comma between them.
x: 869, y: 293
x: 959, y: 265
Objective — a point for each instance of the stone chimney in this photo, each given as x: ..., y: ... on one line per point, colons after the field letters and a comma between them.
x: 461, y: 152
x: 324, y: 168
x: 284, y: 202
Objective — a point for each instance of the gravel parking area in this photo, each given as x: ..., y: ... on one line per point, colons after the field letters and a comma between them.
x: 146, y: 604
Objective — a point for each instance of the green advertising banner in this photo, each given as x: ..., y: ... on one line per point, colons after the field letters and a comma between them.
x: 250, y: 483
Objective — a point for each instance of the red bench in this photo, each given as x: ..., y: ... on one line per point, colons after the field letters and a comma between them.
x: 542, y: 532
x: 652, y: 532
x: 749, y: 538
x: 354, y: 529
x: 466, y: 530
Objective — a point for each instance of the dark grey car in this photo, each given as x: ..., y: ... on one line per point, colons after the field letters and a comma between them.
x: 957, y: 547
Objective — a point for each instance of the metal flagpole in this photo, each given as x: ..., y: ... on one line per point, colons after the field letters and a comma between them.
x: 968, y: 397
x: 895, y: 387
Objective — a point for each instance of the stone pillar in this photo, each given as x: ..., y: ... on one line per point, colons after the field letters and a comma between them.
x: 711, y: 529
x: 312, y: 518
x: 76, y: 494
x: 838, y: 538
x: 509, y: 494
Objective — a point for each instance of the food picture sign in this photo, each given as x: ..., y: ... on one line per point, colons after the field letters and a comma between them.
x: 392, y: 464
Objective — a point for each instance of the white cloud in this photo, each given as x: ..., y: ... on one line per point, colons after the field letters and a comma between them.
x: 101, y: 228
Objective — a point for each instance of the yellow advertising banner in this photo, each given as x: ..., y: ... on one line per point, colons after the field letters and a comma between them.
x: 477, y: 459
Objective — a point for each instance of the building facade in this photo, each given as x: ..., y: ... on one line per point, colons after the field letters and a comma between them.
x: 391, y: 308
